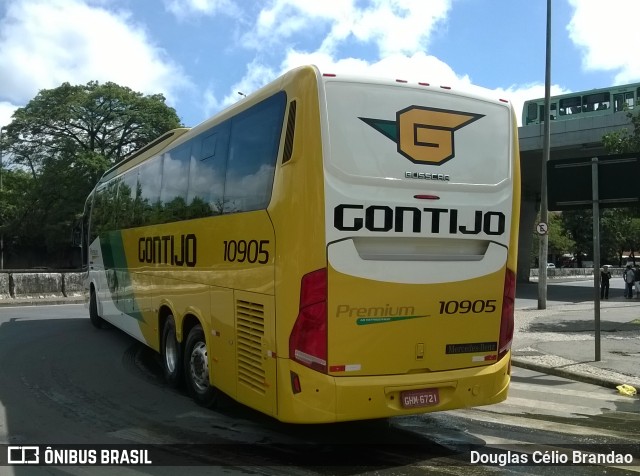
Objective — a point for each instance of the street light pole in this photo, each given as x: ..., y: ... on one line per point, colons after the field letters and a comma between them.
x: 1, y: 189
x: 546, y: 146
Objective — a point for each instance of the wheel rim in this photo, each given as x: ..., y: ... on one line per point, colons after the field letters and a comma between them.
x: 171, y: 352
x: 199, y: 367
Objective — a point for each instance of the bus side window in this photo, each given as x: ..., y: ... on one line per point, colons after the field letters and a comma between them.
x: 253, y: 151
x: 150, y: 181
x: 127, y: 199
x: 207, y: 172
x: 173, y: 194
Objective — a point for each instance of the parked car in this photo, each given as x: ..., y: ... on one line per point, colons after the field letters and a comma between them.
x: 551, y: 266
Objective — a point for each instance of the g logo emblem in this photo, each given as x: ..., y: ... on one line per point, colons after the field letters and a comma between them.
x: 424, y: 135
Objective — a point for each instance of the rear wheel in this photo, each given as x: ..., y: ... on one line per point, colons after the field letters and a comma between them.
x: 95, y: 319
x: 171, y: 355
x: 196, y: 368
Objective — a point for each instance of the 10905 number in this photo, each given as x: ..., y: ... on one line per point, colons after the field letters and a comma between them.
x: 464, y: 307
x: 252, y: 251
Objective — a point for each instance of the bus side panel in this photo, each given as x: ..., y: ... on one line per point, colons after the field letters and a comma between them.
x: 107, y: 272
x: 512, y: 259
x: 222, y: 350
x: 297, y: 213
x: 255, y: 351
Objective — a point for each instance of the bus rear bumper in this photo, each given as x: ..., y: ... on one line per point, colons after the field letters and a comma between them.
x: 326, y: 399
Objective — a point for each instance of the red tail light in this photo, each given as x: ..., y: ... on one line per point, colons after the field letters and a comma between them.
x: 308, y: 339
x: 506, y: 321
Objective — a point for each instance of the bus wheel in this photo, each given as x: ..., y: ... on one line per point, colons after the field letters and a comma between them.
x: 96, y: 320
x: 196, y: 368
x: 171, y: 356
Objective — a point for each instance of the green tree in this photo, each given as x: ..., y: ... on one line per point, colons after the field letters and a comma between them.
x: 624, y: 224
x: 560, y: 242
x: 618, y: 232
x: 624, y: 141
x: 64, y: 139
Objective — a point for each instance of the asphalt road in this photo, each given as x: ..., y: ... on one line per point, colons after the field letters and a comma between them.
x: 64, y: 382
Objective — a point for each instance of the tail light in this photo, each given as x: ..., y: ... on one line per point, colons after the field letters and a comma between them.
x: 506, y: 321
x: 308, y: 339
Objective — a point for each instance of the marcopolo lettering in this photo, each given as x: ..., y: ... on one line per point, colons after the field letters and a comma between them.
x: 168, y: 249
x: 383, y: 218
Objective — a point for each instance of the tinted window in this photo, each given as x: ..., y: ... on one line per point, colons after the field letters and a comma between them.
x: 150, y: 180
x: 175, y: 183
x: 104, y: 213
x: 253, y: 150
x: 126, y: 199
x: 207, y: 172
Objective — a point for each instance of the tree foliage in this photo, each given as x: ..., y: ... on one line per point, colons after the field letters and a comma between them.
x: 619, y: 232
x: 624, y: 141
x: 560, y: 242
x: 60, y: 144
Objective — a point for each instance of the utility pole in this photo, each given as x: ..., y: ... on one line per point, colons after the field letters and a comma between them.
x: 1, y: 189
x: 546, y: 145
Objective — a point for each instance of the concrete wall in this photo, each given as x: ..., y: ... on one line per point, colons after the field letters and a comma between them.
x: 17, y: 285
x: 4, y: 286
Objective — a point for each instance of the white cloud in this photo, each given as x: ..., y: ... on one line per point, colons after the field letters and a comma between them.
x: 187, y: 8
x: 6, y: 110
x: 608, y: 40
x: 257, y: 76
x: 414, y: 68
x: 399, y: 30
x: 44, y: 43
x: 394, y: 26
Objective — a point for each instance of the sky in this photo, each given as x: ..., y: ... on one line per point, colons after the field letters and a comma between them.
x: 201, y: 53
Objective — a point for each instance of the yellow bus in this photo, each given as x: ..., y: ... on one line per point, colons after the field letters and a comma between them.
x: 329, y: 248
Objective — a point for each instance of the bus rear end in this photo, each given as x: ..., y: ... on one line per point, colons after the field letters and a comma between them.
x: 414, y: 311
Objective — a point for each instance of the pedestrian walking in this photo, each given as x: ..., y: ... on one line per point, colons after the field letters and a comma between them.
x: 605, y: 276
x: 629, y: 276
x: 636, y: 282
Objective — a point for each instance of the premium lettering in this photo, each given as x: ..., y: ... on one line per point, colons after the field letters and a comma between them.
x: 344, y: 310
x: 168, y: 249
x: 382, y: 218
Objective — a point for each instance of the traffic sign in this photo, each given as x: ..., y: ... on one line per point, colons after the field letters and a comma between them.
x: 542, y: 228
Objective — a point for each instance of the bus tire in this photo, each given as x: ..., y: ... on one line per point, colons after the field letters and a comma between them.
x: 171, y: 353
x: 95, y: 319
x: 196, y: 368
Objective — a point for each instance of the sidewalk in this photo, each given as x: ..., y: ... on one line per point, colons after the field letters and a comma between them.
x: 560, y: 340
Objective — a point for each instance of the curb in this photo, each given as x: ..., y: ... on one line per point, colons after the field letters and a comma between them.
x: 36, y: 301
x: 581, y: 376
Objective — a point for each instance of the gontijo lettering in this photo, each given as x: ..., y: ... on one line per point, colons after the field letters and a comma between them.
x: 168, y: 249
x: 351, y: 217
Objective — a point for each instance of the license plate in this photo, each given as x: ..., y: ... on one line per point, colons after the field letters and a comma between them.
x: 425, y: 397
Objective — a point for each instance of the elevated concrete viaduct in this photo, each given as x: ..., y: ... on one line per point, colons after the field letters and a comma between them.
x: 569, y: 139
